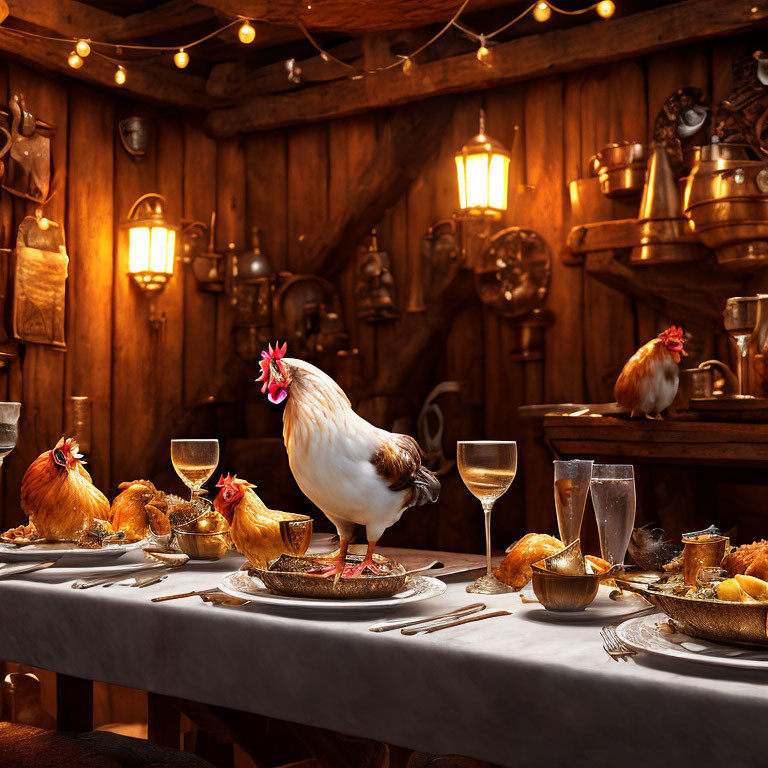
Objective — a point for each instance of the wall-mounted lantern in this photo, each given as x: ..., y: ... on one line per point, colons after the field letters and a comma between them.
x: 151, y: 246
x: 482, y: 165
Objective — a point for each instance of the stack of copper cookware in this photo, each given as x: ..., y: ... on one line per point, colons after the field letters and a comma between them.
x: 726, y: 198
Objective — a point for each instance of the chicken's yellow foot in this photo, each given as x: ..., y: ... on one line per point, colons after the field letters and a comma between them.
x: 334, y: 564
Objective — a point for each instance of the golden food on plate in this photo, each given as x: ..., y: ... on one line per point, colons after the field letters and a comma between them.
x: 260, y: 533
x: 140, y: 509
x: 21, y: 534
x: 742, y: 589
x: 58, y: 495
x: 515, y: 569
x: 749, y: 559
x: 598, y: 564
x: 99, y: 534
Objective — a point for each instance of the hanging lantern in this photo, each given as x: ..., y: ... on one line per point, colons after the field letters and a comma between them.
x: 482, y: 165
x: 151, y: 243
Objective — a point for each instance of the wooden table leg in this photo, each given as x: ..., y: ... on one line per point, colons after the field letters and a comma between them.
x: 74, y: 704
x: 163, y: 721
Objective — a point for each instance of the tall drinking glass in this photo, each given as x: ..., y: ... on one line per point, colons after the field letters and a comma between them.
x: 9, y: 428
x: 572, y: 480
x: 487, y: 468
x: 194, y: 462
x: 739, y: 319
x: 613, y: 497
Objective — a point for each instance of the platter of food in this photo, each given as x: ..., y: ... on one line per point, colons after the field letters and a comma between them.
x: 243, y: 585
x: 49, y: 550
x: 662, y: 637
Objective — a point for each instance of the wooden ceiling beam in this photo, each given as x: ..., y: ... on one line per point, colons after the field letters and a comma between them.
x: 65, y: 18
x: 525, y: 58
x: 359, y: 18
x: 172, y: 15
x: 151, y: 83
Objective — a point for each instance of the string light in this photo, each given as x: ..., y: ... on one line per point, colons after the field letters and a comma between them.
x: 181, y: 58
x: 605, y: 9
x: 83, y: 48
x: 246, y: 33
x: 542, y: 12
x: 482, y: 51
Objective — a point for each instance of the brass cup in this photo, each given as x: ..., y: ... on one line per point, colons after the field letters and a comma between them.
x: 296, y: 534
x: 203, y: 546
x: 705, y: 551
x: 560, y: 592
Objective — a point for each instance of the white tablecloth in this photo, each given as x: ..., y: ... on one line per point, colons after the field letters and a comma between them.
x: 520, y: 690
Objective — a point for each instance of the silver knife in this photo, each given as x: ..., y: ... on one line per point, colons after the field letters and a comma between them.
x: 456, y: 613
x: 15, y: 570
x: 106, y: 581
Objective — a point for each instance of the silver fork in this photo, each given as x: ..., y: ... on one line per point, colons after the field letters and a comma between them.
x: 613, y: 646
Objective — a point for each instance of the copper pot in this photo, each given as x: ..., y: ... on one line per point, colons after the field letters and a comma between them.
x: 726, y: 198
x: 620, y: 167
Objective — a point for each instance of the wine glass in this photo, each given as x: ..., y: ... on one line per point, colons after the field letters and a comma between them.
x: 613, y: 497
x: 487, y: 468
x: 572, y: 480
x: 194, y: 462
x: 9, y: 428
x: 739, y: 319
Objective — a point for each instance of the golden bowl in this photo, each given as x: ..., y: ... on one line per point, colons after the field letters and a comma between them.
x: 718, y: 620
x: 203, y: 546
x: 561, y: 592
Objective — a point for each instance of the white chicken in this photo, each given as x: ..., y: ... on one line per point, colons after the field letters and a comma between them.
x: 354, y: 472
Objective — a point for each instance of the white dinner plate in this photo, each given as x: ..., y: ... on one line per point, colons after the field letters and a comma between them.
x: 67, y: 551
x: 644, y: 634
x: 240, y: 584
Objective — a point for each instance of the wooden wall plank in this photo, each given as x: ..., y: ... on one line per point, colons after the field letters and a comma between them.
x: 42, y: 383
x: 90, y: 236
x: 230, y: 231
x: 307, y: 191
x: 199, y: 306
x: 136, y: 366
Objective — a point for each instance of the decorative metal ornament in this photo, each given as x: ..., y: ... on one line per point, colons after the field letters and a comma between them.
x: 375, y: 285
x: 512, y: 276
x: 134, y: 135
x: 683, y: 118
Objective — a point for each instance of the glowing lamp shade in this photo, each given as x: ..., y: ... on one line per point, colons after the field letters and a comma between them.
x: 151, y: 243
x: 482, y: 166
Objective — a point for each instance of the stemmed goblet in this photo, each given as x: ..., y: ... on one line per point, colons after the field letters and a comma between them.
x: 487, y: 468
x: 613, y: 497
x: 194, y: 462
x: 739, y: 319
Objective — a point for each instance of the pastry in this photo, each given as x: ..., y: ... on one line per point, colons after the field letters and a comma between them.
x: 749, y: 559
x: 515, y: 569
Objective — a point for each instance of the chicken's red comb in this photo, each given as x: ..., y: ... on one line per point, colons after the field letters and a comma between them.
x: 274, y: 353
x: 673, y: 335
x: 231, y: 480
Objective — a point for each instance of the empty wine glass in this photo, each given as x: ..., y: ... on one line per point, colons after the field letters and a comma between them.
x: 194, y: 462
x: 9, y: 428
x: 572, y: 480
x: 487, y: 468
x: 613, y: 497
x: 739, y: 319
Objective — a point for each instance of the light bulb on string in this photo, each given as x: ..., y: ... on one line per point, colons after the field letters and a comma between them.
x: 324, y: 56
x: 542, y: 12
x: 83, y: 48
x: 407, y: 65
x: 482, y: 51
x: 605, y: 8
x: 74, y: 60
x: 120, y: 76
x: 181, y: 58
x: 246, y: 33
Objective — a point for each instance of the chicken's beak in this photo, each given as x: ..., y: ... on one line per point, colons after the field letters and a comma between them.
x: 683, y: 353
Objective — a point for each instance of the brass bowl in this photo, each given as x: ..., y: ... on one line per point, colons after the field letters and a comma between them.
x: 620, y: 167
x: 288, y: 576
x: 718, y: 620
x: 203, y: 546
x: 560, y: 592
